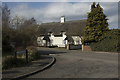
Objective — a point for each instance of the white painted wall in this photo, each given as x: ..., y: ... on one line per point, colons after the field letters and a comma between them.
x: 58, y: 41
x: 77, y: 40
x: 40, y: 41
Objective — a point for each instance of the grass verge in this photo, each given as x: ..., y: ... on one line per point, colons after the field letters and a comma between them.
x: 9, y: 62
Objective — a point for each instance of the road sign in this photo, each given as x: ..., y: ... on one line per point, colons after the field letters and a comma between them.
x: 21, y: 52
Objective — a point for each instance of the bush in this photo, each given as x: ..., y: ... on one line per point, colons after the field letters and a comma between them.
x: 9, y: 62
x: 7, y: 48
x: 110, y: 43
x: 33, y: 55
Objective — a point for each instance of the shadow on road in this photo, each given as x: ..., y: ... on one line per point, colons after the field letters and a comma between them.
x: 10, y: 72
x: 47, y: 52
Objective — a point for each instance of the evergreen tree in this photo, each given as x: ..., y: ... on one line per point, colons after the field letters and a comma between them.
x: 96, y: 25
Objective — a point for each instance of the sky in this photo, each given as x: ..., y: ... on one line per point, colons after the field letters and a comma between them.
x: 0, y: 15
x: 59, y: 0
x: 45, y: 12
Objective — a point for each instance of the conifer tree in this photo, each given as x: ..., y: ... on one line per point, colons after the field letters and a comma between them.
x: 96, y: 25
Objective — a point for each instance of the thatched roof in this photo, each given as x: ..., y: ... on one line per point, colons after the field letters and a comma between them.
x: 70, y: 27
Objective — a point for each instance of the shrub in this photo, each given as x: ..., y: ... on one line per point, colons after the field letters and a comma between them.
x: 7, y: 48
x: 9, y: 62
x: 110, y: 43
x: 33, y: 55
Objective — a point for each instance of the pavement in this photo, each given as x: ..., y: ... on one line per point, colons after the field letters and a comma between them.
x: 34, y: 67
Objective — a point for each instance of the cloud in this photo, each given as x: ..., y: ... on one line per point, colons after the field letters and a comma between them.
x: 59, y: 0
x: 67, y: 9
x: 111, y: 10
x: 72, y: 11
x: 52, y: 12
x: 113, y: 20
x: 25, y: 10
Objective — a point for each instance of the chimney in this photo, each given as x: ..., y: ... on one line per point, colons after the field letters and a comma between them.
x: 62, y: 19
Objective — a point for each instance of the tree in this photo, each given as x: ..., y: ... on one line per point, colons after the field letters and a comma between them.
x: 29, y: 22
x: 16, y: 22
x: 26, y: 33
x: 5, y: 29
x: 17, y: 31
x: 0, y: 25
x: 5, y: 16
x: 0, y: 17
x: 96, y: 25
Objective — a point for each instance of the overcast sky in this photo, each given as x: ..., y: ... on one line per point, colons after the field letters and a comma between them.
x: 52, y: 11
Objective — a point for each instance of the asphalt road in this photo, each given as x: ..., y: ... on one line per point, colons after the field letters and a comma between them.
x: 77, y: 64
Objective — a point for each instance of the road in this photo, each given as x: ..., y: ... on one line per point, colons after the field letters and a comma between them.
x: 77, y: 64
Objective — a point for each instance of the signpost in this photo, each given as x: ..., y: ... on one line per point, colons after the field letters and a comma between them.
x: 21, y: 52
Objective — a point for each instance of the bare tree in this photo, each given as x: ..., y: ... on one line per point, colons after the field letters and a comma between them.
x: 16, y: 22
x: 5, y: 16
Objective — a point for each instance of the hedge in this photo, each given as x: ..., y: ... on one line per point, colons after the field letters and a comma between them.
x: 110, y: 43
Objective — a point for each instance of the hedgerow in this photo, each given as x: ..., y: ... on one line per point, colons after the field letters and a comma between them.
x: 110, y: 43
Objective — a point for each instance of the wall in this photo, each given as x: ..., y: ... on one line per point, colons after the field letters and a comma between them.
x: 58, y: 41
x: 86, y: 48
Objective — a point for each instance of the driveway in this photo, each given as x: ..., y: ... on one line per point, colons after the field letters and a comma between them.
x: 77, y: 64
